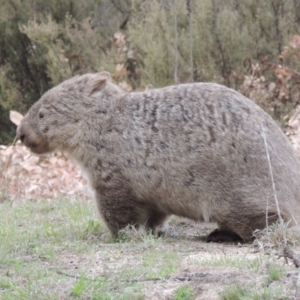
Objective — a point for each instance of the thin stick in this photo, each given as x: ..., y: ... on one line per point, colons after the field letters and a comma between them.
x: 272, y: 177
x: 7, y: 163
x: 189, y: 11
x: 175, y: 45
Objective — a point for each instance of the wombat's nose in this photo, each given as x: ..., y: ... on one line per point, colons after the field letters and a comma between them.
x: 22, y: 137
x: 20, y: 134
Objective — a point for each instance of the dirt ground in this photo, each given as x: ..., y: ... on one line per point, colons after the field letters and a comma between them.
x: 208, y: 268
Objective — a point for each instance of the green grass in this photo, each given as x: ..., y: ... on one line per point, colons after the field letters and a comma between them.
x: 235, y: 292
x: 217, y: 260
x: 53, y: 249
x: 56, y: 250
x: 160, y: 266
x: 275, y: 273
x: 36, y: 240
x: 184, y: 293
x: 265, y: 292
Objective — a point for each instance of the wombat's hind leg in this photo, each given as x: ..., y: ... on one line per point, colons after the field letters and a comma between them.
x: 223, y: 235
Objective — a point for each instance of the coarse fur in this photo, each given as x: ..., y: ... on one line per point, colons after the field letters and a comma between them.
x: 193, y: 150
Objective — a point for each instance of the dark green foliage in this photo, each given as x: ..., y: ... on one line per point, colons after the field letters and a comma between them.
x: 7, y: 130
x: 25, y: 60
x: 227, y: 35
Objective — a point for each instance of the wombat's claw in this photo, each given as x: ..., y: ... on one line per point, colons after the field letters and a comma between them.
x: 221, y: 236
x: 160, y: 232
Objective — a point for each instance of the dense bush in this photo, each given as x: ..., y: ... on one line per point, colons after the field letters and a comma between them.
x: 149, y: 43
x: 42, y: 43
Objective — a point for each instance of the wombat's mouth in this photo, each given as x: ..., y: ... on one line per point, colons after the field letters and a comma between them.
x: 37, y: 148
x: 32, y: 146
x: 32, y: 139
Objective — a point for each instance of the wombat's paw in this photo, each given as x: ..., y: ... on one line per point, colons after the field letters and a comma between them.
x: 160, y: 231
x: 221, y: 236
x: 107, y: 238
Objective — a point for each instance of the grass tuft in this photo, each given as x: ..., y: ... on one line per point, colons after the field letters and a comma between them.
x: 275, y: 273
x: 184, y: 293
x: 132, y: 234
x: 81, y: 285
x: 235, y: 292
x: 274, y: 235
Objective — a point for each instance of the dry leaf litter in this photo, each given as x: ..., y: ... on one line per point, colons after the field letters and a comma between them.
x: 293, y: 129
x: 27, y: 176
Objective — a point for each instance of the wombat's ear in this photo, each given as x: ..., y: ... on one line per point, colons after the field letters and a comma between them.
x: 98, y: 82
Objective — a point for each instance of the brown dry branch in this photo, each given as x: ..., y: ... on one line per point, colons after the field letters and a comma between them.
x: 183, y: 277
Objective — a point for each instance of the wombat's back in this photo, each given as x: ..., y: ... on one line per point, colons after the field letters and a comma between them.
x: 201, y: 149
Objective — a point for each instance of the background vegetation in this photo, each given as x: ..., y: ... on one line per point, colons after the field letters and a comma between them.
x: 252, y: 46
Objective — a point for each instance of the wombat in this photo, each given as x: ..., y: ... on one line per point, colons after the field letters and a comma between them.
x: 196, y: 150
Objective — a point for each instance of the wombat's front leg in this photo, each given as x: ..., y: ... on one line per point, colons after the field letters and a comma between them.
x: 120, y: 208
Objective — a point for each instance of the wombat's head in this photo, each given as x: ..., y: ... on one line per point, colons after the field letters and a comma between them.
x: 53, y: 122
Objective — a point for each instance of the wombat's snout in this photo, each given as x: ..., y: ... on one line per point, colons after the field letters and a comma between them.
x: 22, y: 137
x: 20, y: 134
x: 32, y: 139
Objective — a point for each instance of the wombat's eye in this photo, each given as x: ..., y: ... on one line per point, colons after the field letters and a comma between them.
x: 41, y: 115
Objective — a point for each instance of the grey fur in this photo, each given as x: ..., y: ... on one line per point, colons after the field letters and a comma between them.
x: 192, y: 150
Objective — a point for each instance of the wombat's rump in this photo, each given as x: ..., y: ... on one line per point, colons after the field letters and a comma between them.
x: 192, y: 150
